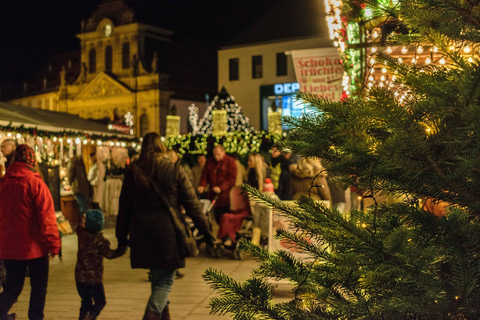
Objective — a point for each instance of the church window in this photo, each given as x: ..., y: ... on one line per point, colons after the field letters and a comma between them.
x: 108, y: 58
x: 143, y: 124
x: 126, y: 55
x: 92, y: 61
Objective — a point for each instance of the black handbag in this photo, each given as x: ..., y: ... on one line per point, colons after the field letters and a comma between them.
x: 188, y: 245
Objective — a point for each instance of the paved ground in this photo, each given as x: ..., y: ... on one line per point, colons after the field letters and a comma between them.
x: 127, y: 290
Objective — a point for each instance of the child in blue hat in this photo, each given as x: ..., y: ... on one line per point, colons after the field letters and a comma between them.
x: 92, y: 248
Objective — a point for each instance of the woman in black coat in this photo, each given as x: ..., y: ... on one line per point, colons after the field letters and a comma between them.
x: 145, y: 223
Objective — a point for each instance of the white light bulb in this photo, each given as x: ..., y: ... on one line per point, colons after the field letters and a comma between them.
x: 428, y: 61
x: 404, y: 50
x: 420, y: 49
x: 384, y: 70
x: 442, y: 61
x: 466, y: 49
x: 374, y: 49
x: 389, y: 50
x: 400, y: 60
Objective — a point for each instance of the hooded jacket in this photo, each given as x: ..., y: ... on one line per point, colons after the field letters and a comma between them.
x: 28, y: 225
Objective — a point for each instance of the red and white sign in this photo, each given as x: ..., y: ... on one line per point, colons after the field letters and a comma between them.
x: 319, y: 71
x: 122, y: 128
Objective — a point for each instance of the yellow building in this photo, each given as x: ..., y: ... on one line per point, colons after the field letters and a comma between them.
x: 121, y: 69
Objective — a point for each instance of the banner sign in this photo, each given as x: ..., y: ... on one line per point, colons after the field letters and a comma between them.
x: 319, y: 71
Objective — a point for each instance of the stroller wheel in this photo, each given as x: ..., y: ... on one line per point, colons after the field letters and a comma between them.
x: 211, y: 251
x: 219, y: 251
x: 238, y: 255
x: 235, y: 254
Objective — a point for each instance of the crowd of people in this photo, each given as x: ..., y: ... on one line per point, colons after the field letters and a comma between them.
x: 144, y: 223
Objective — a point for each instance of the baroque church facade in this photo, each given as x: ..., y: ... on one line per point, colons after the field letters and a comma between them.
x: 120, y: 74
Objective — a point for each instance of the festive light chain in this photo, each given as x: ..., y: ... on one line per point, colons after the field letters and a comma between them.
x: 236, y: 120
x: 234, y: 142
x: 344, y: 29
x: 22, y: 133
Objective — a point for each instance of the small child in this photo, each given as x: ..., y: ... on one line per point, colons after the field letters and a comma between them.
x: 92, y: 247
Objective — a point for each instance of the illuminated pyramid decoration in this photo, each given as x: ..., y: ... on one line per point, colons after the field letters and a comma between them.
x: 236, y: 120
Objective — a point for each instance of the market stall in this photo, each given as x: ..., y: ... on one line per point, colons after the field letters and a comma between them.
x: 56, y: 137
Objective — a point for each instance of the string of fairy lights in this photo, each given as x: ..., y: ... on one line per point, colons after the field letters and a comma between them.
x: 56, y: 147
x: 358, y: 47
x: 236, y: 120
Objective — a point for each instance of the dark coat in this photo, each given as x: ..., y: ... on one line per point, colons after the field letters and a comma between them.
x: 144, y: 217
x: 77, y: 175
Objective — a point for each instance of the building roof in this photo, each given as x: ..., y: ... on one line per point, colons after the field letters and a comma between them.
x: 17, y: 116
x: 287, y: 20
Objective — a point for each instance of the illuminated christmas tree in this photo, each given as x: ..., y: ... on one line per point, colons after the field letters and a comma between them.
x: 415, y: 139
x: 236, y: 120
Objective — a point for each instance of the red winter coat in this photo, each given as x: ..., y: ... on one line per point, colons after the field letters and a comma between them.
x: 221, y: 174
x: 28, y: 226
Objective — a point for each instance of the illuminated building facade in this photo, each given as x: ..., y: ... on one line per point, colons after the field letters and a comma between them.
x: 121, y: 74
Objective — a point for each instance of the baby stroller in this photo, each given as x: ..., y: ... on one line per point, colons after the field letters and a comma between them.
x: 207, y: 209
x: 234, y: 225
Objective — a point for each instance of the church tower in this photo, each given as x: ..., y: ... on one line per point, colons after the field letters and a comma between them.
x: 127, y: 71
x: 122, y: 63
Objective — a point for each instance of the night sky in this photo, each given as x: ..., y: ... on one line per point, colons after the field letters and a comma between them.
x: 31, y: 31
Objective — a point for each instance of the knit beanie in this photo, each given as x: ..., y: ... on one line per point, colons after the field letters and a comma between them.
x: 268, y: 186
x: 94, y: 220
x: 25, y: 154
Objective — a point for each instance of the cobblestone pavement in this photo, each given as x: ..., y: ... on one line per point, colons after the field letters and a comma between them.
x: 127, y: 290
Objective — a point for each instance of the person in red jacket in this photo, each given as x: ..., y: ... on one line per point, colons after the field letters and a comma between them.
x: 28, y: 232
x: 220, y: 174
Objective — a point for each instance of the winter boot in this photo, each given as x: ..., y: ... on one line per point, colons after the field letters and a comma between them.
x: 165, y: 314
x: 151, y: 315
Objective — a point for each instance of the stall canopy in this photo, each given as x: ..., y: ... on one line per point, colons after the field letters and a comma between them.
x: 16, y: 116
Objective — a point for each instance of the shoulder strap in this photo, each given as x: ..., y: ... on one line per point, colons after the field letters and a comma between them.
x: 178, y: 225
